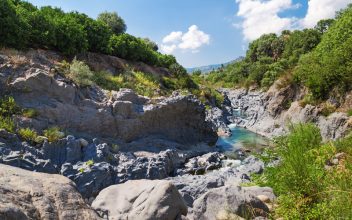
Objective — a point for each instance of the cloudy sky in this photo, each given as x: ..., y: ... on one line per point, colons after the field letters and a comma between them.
x: 202, y: 32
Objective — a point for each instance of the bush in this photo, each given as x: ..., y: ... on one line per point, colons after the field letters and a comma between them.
x: 349, y: 112
x: 306, y: 189
x: 113, y: 21
x: 53, y: 134
x: 107, y: 81
x: 30, y: 113
x: 7, y: 123
x: 12, y: 26
x: 327, y: 109
x: 28, y: 134
x: 80, y: 73
x: 98, y: 33
x: 8, y: 107
x: 328, y: 67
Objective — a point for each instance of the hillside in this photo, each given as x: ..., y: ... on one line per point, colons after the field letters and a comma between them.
x: 209, y: 68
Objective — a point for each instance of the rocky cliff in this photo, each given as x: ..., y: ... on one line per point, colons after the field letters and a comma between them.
x: 270, y: 113
x: 92, y: 111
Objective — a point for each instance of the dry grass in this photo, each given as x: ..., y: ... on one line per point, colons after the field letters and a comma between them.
x: 16, y: 57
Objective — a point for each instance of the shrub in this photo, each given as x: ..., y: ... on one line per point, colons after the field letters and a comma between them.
x: 28, y: 134
x: 308, y: 100
x: 146, y: 84
x: 327, y: 109
x: 349, y: 112
x: 30, y: 113
x: 71, y: 38
x: 11, y: 26
x: 107, y: 81
x: 306, y: 189
x: 90, y: 163
x: 8, y: 107
x: 329, y: 67
x: 113, y: 21
x: 7, y: 123
x: 53, y: 134
x: 80, y: 73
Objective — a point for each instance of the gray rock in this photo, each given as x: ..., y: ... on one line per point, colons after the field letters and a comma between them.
x: 125, y: 116
x: 142, y: 199
x: 206, y: 162
x: 91, y: 179
x: 232, y: 199
x: 32, y: 195
x: 268, y: 113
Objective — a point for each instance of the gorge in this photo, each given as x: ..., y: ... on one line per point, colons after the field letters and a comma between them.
x: 96, y: 123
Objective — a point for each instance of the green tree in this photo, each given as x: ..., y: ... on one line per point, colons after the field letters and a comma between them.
x: 12, y: 27
x: 112, y: 20
x: 329, y: 67
x: 323, y: 25
x: 151, y: 44
x: 98, y: 33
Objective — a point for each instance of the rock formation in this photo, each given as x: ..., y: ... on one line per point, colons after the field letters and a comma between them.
x: 32, y: 195
x: 141, y: 199
x: 270, y: 113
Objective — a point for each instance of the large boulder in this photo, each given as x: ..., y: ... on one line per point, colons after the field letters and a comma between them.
x: 141, y: 199
x: 232, y: 199
x: 31, y: 195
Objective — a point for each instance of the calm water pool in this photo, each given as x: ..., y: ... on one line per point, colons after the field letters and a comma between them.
x: 242, y: 138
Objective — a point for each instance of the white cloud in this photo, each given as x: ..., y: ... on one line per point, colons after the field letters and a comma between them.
x: 172, y: 37
x: 192, y: 40
x: 261, y: 17
x: 168, y: 49
x: 322, y: 9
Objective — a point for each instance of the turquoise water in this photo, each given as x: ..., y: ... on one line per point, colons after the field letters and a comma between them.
x: 242, y: 139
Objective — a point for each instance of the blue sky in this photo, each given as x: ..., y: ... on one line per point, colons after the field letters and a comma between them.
x: 221, y: 28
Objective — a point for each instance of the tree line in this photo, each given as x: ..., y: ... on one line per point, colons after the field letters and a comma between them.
x: 22, y: 26
x: 319, y: 58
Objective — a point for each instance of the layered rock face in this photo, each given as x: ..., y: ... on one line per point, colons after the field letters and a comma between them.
x: 95, y: 112
x: 125, y: 115
x: 31, y: 195
x: 270, y: 113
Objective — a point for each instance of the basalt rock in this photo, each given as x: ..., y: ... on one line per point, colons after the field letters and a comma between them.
x: 125, y: 115
x: 141, y: 199
x: 32, y: 195
x: 269, y: 113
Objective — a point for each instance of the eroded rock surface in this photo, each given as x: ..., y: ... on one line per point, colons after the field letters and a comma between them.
x: 141, y: 199
x: 270, y: 113
x: 31, y: 195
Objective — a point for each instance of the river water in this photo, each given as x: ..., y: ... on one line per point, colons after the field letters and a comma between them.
x: 242, y: 139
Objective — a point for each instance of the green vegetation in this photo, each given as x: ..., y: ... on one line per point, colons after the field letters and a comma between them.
x: 7, y: 123
x: 318, y: 58
x: 53, y: 134
x: 80, y: 73
x: 30, y: 113
x: 328, y: 69
x: 308, y: 184
x: 28, y: 134
x: 267, y: 58
x: 8, y: 108
x: 349, y: 112
x: 113, y: 21
x: 144, y: 83
x: 90, y: 163
x: 23, y: 25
